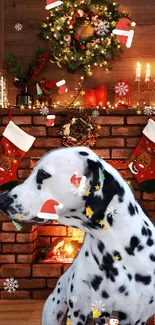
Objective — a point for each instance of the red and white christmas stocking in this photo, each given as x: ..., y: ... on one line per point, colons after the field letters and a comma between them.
x: 142, y: 161
x: 14, y: 144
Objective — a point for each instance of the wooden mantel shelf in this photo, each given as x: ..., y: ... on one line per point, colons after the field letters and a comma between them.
x: 58, y: 111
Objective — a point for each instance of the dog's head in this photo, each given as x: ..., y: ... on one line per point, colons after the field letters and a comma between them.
x: 51, y: 180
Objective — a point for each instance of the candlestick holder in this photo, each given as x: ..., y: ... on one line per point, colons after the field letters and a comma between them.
x: 138, y: 83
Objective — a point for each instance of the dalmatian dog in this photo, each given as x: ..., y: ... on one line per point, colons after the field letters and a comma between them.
x: 116, y: 264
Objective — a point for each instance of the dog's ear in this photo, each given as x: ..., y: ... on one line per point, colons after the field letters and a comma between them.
x: 94, y: 201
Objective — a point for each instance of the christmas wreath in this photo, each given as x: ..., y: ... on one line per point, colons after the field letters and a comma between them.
x: 77, y: 130
x: 80, y: 33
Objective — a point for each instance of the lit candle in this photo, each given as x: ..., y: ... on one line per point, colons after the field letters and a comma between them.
x: 138, y: 71
x: 148, y: 73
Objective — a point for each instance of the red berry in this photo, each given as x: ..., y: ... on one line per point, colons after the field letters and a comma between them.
x: 77, y: 37
x: 83, y: 47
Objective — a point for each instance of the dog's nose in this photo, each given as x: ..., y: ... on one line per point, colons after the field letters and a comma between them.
x: 5, y: 201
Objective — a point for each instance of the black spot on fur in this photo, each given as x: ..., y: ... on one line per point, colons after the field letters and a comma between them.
x: 41, y: 176
x: 18, y: 206
x: 140, y: 248
x: 67, y: 217
x: 15, y: 196
x: 110, y: 219
x: 58, y: 302
x: 145, y: 279
x: 138, y: 321
x: 131, y: 209
x: 86, y: 253
x: 152, y: 257
x: 82, y: 317
x: 76, y: 313
x: 72, y: 287
x: 122, y: 316
x: 105, y: 295
x: 72, y: 210
x: 149, y: 232
x: 151, y: 300
x: 149, y: 242
x: 122, y: 289
x: 116, y: 253
x: 134, y: 242
x: 79, y: 323
x: 12, y: 210
x: 70, y: 303
x: 136, y: 208
x: 95, y: 258
x: 39, y: 187
x: 146, y: 223
x: 129, y: 276
x: 108, y: 267
x: 73, y: 276
x: 96, y: 282
x: 60, y: 313
x: 110, y: 189
x: 58, y: 291
x: 82, y: 153
x: 124, y: 267
x: 53, y: 298
x: 101, y: 246
x: 144, y: 231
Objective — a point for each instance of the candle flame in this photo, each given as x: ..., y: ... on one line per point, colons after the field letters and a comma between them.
x: 148, y: 65
x: 138, y: 65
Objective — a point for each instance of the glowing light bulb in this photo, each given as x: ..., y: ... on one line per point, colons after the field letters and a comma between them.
x: 133, y: 24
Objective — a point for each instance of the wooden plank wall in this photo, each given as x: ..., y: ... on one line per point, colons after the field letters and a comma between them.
x: 24, y: 43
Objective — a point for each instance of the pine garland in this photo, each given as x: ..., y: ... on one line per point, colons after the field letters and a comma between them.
x: 78, y: 51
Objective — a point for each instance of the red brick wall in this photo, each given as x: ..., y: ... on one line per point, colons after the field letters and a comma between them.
x: 119, y: 134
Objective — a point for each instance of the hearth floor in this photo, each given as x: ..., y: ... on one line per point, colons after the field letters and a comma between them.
x: 17, y: 312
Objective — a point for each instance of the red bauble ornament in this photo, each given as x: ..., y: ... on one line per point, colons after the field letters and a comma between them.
x: 77, y: 37
x: 71, y: 22
x: 83, y: 47
x: 85, y: 15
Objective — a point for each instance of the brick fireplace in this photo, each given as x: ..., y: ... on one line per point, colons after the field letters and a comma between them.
x: 120, y: 132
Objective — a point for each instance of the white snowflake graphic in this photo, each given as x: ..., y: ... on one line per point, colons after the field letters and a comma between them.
x: 102, y: 27
x: 112, y: 211
x: 44, y: 110
x: 73, y: 299
x: 121, y: 88
x: 98, y: 304
x: 148, y: 110
x: 18, y: 27
x: 10, y: 285
x: 95, y: 113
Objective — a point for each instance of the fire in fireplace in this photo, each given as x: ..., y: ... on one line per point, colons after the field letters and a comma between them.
x: 61, y: 251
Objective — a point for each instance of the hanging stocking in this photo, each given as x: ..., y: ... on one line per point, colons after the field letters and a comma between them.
x: 14, y: 144
x: 142, y: 161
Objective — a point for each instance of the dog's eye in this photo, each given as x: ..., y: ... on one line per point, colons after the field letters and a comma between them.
x: 41, y: 175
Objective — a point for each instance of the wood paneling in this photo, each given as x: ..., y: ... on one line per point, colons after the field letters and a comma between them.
x: 24, y: 43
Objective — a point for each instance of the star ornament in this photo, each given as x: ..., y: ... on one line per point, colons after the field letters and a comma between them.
x: 116, y: 258
x: 89, y: 212
x: 87, y: 192
x: 101, y: 223
x: 106, y: 228
x: 97, y: 187
x: 69, y: 321
x: 98, y: 126
x: 19, y: 216
x: 96, y: 313
x: 22, y: 106
x: 138, y: 112
x: 82, y: 92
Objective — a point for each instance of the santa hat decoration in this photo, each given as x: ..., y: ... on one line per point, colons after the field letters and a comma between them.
x: 48, y: 210
x: 50, y: 120
x: 123, y: 31
x: 50, y: 4
x: 62, y: 87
